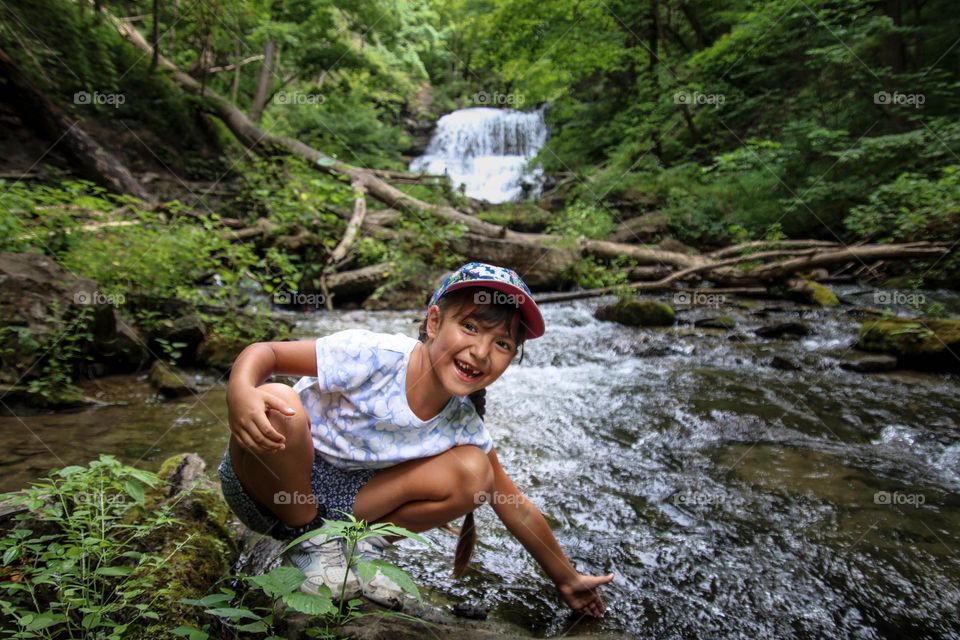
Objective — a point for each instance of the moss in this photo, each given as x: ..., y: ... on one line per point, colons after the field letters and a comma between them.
x: 519, y: 216
x: 638, y: 313
x: 719, y: 322
x: 807, y: 291
x: 919, y: 343
x: 202, y: 522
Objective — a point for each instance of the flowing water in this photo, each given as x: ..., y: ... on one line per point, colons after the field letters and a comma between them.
x: 486, y: 151
x: 731, y: 499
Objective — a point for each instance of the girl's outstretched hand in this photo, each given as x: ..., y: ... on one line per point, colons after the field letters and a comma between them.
x: 249, y: 422
x: 581, y: 594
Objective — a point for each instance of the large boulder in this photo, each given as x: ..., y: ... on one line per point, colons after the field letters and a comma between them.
x: 638, y: 313
x: 928, y: 344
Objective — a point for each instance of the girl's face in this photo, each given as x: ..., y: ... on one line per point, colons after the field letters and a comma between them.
x: 465, y: 354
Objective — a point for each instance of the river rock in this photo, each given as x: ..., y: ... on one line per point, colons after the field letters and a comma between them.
x: 784, y: 363
x: 794, y: 329
x: 718, y: 322
x: 170, y: 381
x: 188, y: 330
x: 638, y: 313
x: 927, y: 344
x: 808, y: 292
x: 869, y: 363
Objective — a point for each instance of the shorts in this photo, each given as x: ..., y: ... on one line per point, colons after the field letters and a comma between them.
x: 334, y: 490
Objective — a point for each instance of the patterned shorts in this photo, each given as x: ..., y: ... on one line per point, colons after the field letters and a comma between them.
x: 333, y: 489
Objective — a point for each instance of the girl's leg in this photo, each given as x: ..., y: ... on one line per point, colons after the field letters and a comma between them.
x: 429, y: 492
x: 280, y: 482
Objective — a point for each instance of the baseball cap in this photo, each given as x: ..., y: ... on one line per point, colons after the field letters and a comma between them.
x: 514, y: 290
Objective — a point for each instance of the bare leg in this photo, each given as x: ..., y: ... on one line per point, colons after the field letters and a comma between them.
x: 263, y: 475
x: 429, y: 492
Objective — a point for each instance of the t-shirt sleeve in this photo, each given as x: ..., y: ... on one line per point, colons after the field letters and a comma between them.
x: 345, y: 360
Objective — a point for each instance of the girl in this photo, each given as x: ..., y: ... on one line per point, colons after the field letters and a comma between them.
x: 389, y: 428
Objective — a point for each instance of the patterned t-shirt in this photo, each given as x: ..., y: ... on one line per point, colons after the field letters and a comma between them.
x: 358, y: 411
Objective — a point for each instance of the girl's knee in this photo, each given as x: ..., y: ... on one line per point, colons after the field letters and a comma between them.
x: 473, y: 470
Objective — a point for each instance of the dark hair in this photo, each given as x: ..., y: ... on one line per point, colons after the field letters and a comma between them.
x: 491, y: 315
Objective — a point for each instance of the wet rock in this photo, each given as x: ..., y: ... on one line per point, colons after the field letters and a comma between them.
x: 220, y: 352
x: 188, y: 330
x: 807, y: 292
x: 926, y: 344
x: 784, y: 364
x: 638, y: 313
x: 38, y: 299
x: 793, y: 329
x: 718, y: 322
x: 170, y: 381
x: 117, y: 346
x: 869, y: 364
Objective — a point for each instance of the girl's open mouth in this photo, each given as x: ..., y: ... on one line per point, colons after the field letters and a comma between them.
x: 466, y: 371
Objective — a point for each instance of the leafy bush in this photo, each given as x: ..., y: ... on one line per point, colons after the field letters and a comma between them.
x: 75, y: 564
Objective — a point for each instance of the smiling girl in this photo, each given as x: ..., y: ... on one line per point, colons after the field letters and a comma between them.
x: 390, y: 429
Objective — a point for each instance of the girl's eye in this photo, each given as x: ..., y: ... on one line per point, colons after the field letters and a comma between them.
x: 469, y: 326
x: 506, y: 345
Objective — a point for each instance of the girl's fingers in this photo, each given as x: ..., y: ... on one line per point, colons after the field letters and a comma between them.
x: 275, y: 403
x: 266, y: 430
x: 255, y: 432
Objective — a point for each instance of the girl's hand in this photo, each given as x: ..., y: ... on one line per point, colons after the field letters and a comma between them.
x: 249, y: 423
x: 580, y: 594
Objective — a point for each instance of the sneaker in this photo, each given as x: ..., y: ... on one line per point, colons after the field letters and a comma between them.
x: 323, y: 563
x: 380, y: 588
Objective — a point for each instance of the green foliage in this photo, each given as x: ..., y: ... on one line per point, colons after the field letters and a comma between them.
x: 590, y: 273
x: 581, y: 219
x: 254, y: 612
x: 75, y: 564
x: 912, y: 207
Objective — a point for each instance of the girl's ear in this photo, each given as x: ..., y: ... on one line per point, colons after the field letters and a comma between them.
x: 433, y: 321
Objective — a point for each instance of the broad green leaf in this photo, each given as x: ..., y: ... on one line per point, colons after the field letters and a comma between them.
x: 191, y: 632
x: 209, y: 601
x: 11, y: 554
x: 233, y: 613
x: 135, y: 490
x: 306, y: 603
x: 114, y: 571
x: 399, y: 576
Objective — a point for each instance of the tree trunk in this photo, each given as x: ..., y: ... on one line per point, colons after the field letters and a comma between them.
x: 263, y: 86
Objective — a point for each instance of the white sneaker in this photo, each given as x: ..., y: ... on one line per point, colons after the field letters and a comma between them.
x: 380, y: 588
x: 324, y: 564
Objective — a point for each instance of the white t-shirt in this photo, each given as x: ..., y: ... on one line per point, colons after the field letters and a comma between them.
x: 358, y: 411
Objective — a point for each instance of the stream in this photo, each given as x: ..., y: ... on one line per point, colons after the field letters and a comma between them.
x: 731, y: 499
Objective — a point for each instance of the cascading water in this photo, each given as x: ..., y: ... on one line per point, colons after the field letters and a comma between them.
x: 486, y: 151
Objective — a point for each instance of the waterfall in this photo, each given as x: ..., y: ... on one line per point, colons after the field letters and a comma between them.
x: 486, y: 150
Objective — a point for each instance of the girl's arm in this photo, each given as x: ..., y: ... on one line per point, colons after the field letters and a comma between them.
x: 248, y: 405
x: 525, y: 522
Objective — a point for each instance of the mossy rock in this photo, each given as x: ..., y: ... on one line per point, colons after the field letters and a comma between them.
x: 926, y: 344
x: 170, y: 381
x: 219, y: 352
x: 718, y: 322
x: 638, y: 313
x: 200, y: 547
x: 808, y: 292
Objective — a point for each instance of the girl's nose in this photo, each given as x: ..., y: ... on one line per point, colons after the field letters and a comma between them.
x: 479, y: 350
